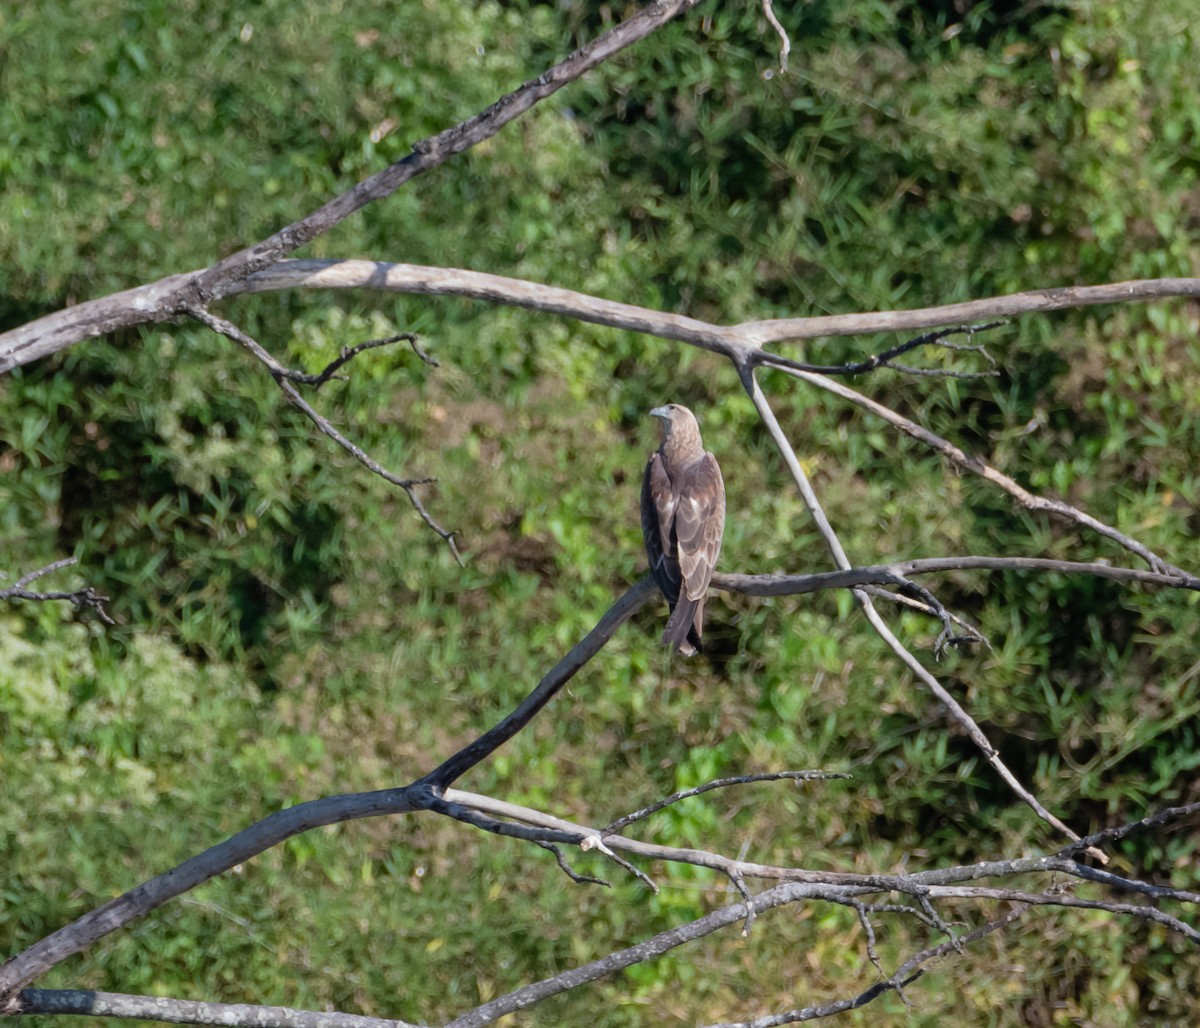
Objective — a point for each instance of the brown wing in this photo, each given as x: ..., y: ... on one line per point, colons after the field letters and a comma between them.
x: 658, y: 511
x: 699, y: 524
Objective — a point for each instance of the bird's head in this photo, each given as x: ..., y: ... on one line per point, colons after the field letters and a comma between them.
x: 674, y: 417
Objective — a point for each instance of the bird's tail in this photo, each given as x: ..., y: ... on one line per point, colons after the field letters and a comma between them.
x: 682, y: 632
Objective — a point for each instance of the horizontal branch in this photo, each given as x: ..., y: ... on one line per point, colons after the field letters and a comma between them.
x: 896, y: 572
x: 158, y: 301
x: 1036, y: 301
x: 85, y: 597
x: 936, y: 883
x: 185, y: 1011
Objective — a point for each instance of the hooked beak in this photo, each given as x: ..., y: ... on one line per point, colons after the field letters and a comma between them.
x: 661, y: 412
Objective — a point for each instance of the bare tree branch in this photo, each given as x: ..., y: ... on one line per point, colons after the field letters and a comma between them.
x: 1036, y: 301
x: 283, y: 378
x: 348, y: 353
x: 569, y: 871
x: 37, y: 959
x: 77, y: 936
x: 719, y: 783
x: 955, y: 709
x: 1030, y: 501
x: 887, y: 358
x: 86, y: 320
x: 906, y: 975
x: 645, y: 950
x: 87, y: 597
x: 184, y: 1011
x: 897, y: 573
x: 743, y: 343
x: 259, y: 268
x: 178, y: 293
x: 785, y: 43
x: 21, y: 969
x: 1114, y: 834
x: 461, y: 762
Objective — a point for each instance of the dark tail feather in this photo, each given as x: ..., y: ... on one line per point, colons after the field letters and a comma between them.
x: 680, y: 632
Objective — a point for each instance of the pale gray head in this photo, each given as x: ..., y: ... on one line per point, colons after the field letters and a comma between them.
x: 676, y: 420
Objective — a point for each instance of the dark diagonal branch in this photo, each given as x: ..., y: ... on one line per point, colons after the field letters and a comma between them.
x: 175, y: 295
x: 77, y: 936
x: 461, y: 762
x: 87, y: 597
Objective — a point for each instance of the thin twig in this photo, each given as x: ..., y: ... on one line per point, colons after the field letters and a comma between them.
x: 348, y: 353
x: 971, y: 633
x: 283, y: 377
x: 569, y: 871
x: 864, y: 919
x: 886, y: 358
x: 539, y: 835
x: 719, y: 783
x: 908, y: 973
x: 88, y: 597
x: 1120, y: 832
x: 785, y: 43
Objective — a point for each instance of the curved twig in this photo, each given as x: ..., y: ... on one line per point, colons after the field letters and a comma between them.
x: 284, y: 378
x: 87, y: 597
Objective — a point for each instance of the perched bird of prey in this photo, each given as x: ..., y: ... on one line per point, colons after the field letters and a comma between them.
x: 683, y: 517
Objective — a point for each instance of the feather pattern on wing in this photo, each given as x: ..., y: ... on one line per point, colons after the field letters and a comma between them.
x: 683, y: 518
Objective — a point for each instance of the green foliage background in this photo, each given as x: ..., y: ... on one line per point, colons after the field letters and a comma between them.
x: 289, y: 629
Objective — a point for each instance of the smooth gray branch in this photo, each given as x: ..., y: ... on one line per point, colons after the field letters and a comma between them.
x: 186, y: 1011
